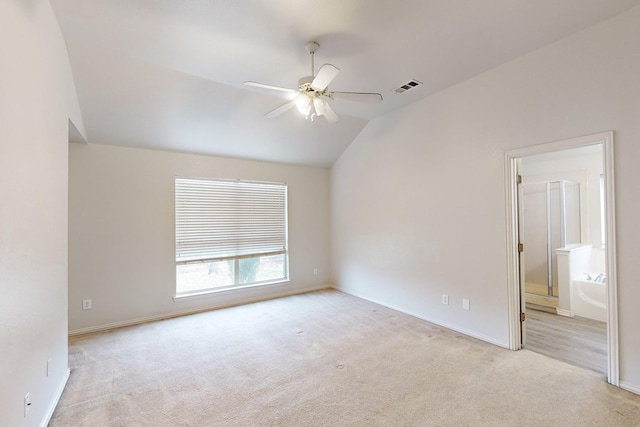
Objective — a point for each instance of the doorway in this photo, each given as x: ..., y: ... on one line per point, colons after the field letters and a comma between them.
x: 560, y: 231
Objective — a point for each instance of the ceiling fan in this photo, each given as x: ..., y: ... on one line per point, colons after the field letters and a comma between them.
x: 312, y: 92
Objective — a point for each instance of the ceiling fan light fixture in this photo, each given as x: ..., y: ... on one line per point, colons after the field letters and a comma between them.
x: 320, y: 105
x: 304, y: 104
x: 312, y: 91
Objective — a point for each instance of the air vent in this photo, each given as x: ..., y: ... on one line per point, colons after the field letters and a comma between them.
x: 407, y: 86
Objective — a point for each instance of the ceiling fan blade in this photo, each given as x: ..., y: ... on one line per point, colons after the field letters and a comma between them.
x: 329, y: 114
x: 325, y: 75
x: 264, y: 86
x: 372, y: 98
x: 281, y: 109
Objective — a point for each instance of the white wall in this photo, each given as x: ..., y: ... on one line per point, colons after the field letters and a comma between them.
x: 122, y: 231
x: 37, y: 100
x: 418, y: 199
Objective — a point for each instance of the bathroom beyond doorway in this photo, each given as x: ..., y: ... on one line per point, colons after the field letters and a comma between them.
x: 599, y: 241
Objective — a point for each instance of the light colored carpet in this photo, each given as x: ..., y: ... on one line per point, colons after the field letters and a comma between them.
x: 323, y: 359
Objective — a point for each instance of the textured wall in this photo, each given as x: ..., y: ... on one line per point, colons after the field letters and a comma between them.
x: 418, y: 199
x: 122, y: 230
x: 38, y: 99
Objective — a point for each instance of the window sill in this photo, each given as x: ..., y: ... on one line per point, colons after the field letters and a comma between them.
x: 228, y: 290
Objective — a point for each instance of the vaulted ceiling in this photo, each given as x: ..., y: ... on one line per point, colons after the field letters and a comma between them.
x: 168, y: 74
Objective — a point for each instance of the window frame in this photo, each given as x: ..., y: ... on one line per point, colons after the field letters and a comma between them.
x: 244, y: 198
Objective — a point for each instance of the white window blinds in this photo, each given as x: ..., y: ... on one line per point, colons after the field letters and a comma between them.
x: 224, y: 219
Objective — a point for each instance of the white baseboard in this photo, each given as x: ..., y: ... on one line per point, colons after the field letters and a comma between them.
x: 629, y: 387
x: 447, y: 325
x: 564, y: 312
x: 209, y: 307
x: 56, y: 398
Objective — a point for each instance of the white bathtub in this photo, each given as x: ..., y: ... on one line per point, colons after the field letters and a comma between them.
x: 589, y: 299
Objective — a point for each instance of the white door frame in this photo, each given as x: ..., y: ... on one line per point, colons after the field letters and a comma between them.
x: 514, y: 297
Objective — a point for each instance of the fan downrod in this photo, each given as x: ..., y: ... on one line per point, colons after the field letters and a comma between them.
x: 312, y: 48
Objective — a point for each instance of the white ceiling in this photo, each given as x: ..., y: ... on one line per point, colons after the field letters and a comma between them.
x: 168, y: 74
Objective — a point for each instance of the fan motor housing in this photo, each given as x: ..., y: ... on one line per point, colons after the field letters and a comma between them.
x: 304, y: 83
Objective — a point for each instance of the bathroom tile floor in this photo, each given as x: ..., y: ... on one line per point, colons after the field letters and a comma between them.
x: 574, y: 340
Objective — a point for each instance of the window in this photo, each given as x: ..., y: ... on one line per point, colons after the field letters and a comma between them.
x: 229, y: 233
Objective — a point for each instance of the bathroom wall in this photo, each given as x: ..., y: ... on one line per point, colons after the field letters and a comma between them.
x: 583, y: 165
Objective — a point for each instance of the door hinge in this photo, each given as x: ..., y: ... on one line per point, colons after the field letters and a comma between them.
x: 518, y: 179
x: 522, y: 316
x: 520, y: 247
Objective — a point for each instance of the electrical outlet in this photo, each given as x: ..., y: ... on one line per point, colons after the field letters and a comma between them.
x: 445, y: 299
x: 86, y: 304
x: 465, y: 304
x: 315, y: 271
x: 27, y: 404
